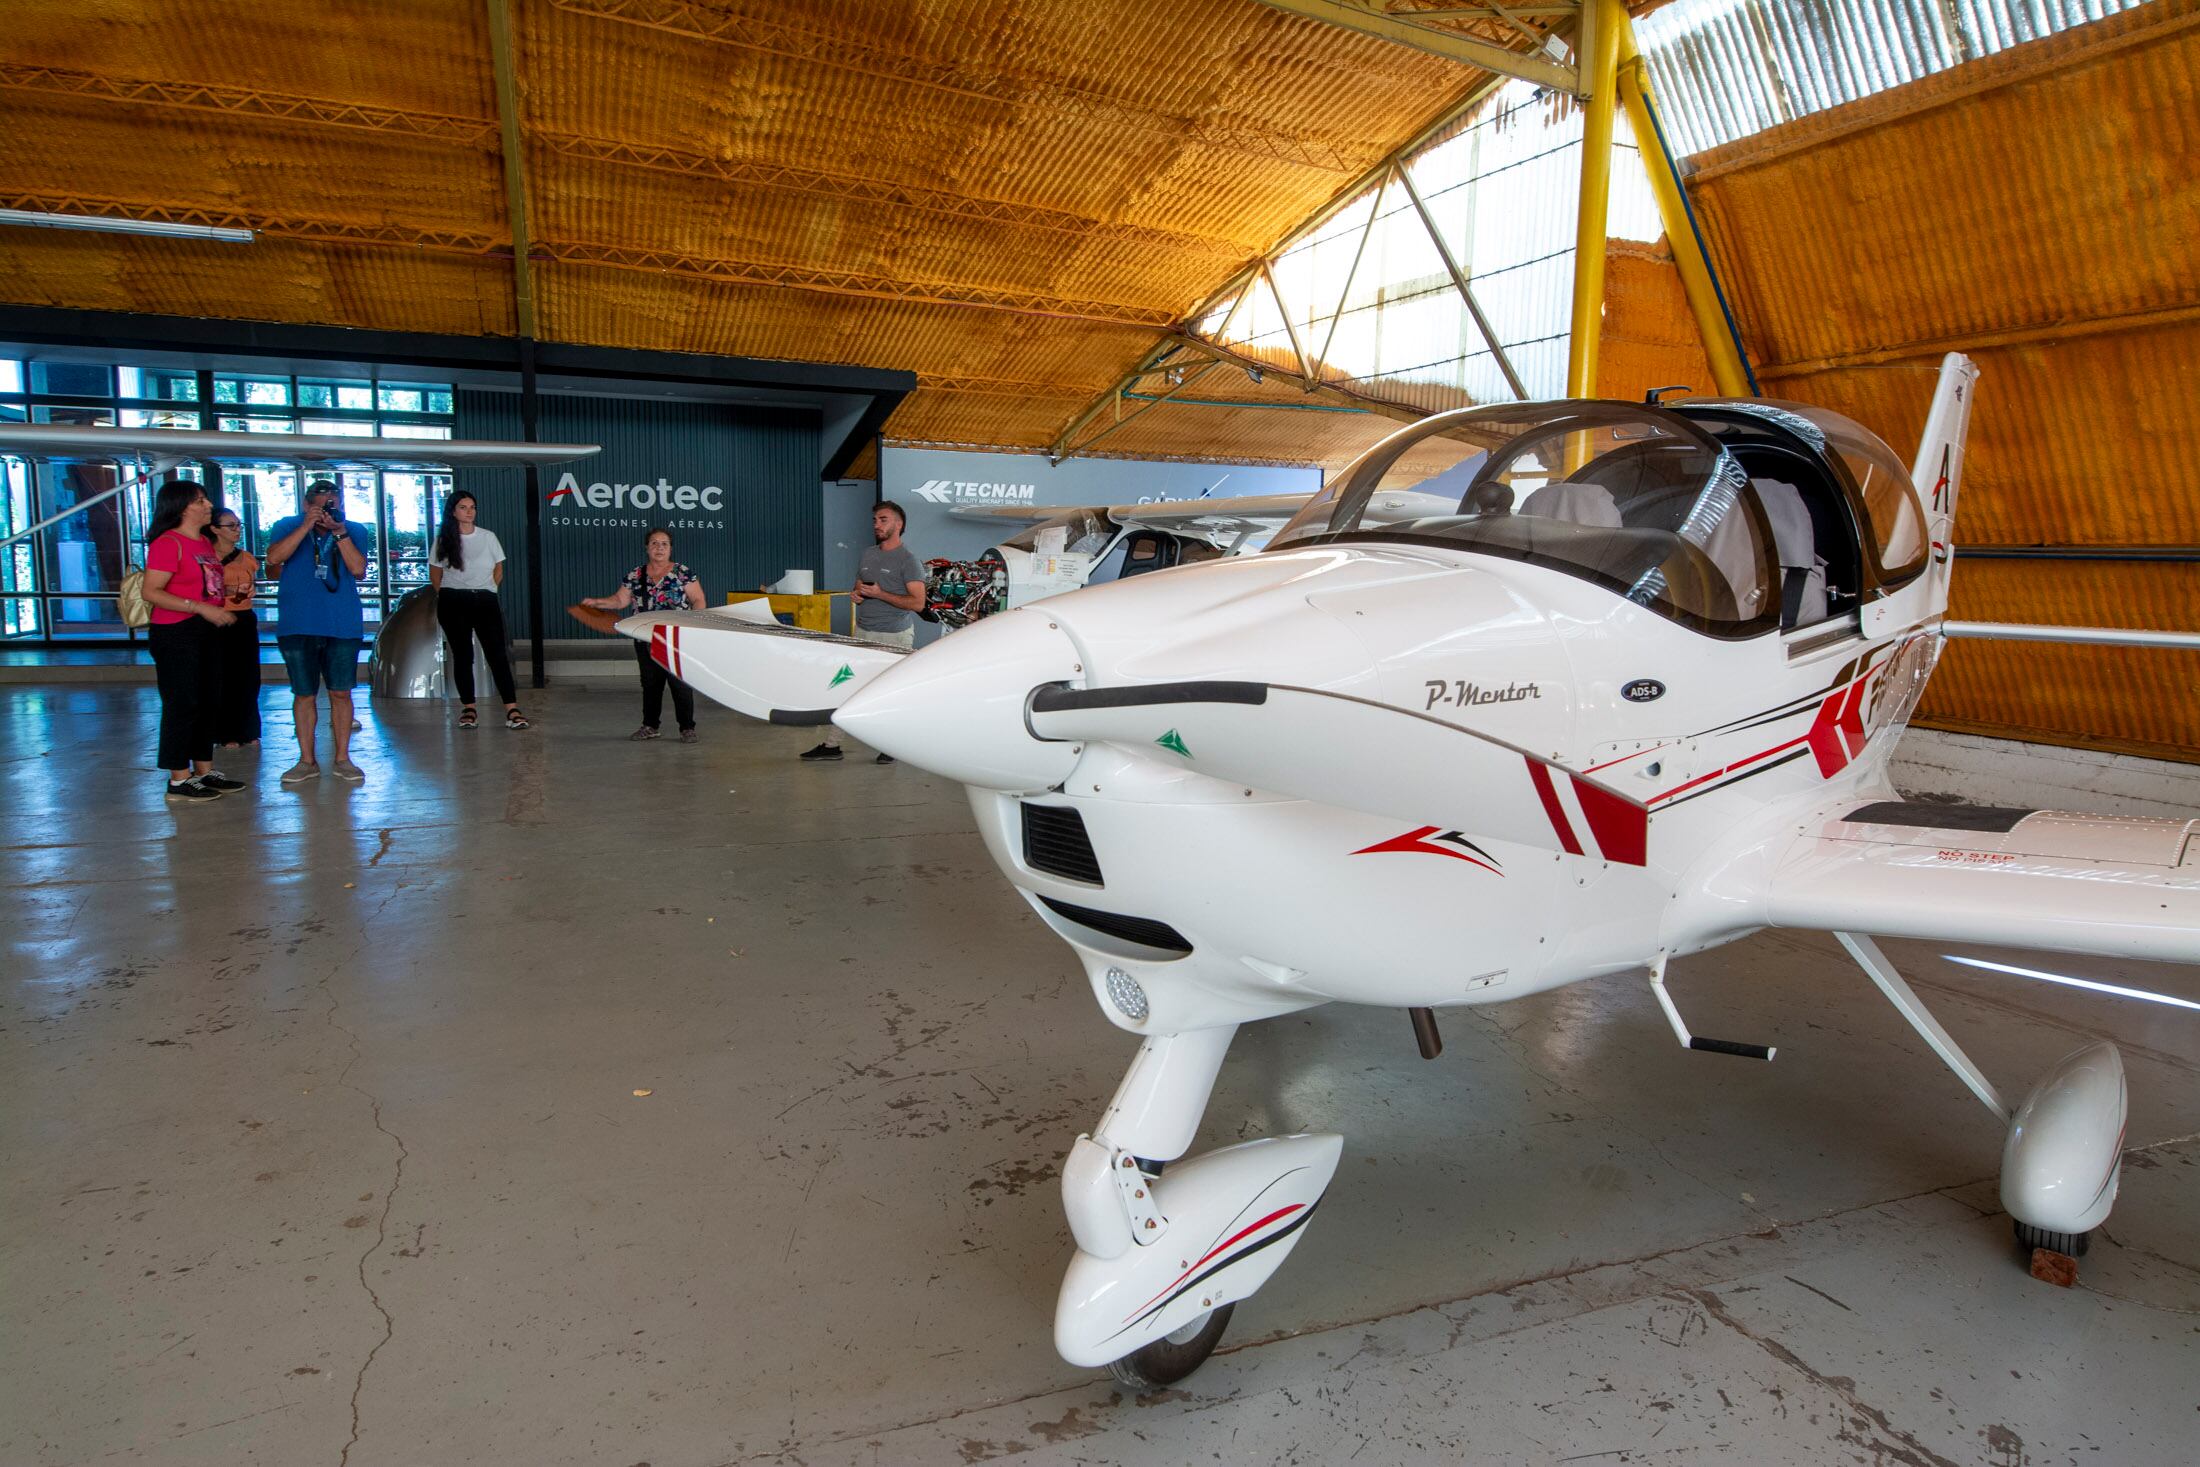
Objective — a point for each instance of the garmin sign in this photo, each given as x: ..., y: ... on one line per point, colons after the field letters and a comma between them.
x: 658, y: 497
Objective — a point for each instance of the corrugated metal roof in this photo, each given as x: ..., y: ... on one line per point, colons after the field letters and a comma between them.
x: 983, y: 190
x: 2048, y: 226
x: 1727, y: 69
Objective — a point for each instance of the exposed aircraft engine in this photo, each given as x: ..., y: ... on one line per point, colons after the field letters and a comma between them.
x: 959, y: 592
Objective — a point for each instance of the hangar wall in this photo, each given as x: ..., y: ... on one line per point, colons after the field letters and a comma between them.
x: 769, y: 513
x: 2050, y: 227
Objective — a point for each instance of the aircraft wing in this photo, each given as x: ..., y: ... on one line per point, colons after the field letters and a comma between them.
x: 1207, y: 517
x: 1213, y: 519
x: 2095, y: 884
x: 763, y: 669
x: 48, y: 440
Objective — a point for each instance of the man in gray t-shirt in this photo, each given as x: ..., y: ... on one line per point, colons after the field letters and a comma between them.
x: 888, y: 594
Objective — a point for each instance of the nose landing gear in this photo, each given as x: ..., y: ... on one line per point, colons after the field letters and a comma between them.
x: 1174, y: 1356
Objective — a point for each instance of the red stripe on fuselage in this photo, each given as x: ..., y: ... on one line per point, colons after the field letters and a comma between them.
x: 1621, y: 827
x: 1553, y: 808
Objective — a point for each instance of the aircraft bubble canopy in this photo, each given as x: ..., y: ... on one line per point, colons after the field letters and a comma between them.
x: 1642, y: 502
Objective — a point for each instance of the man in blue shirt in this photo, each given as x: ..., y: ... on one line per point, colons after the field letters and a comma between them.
x: 319, y: 623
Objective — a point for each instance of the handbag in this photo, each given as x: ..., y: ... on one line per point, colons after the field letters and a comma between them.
x: 137, y: 612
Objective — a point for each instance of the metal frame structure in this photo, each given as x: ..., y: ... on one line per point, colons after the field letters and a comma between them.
x: 1425, y: 30
x: 1610, y: 74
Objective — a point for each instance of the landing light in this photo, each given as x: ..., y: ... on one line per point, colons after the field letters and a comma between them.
x: 1129, y: 999
x: 2118, y: 990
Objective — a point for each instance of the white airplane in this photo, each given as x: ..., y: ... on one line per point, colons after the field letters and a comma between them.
x: 1066, y: 548
x: 1623, y: 688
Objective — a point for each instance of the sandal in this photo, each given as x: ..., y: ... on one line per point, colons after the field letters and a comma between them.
x: 468, y: 718
x: 513, y: 718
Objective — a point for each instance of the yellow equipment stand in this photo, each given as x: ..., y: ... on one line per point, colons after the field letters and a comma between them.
x: 811, y: 613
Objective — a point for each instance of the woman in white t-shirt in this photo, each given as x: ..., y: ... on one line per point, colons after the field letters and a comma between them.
x: 466, y: 568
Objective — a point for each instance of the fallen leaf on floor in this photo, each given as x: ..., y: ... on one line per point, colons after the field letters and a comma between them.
x: 645, y: 1092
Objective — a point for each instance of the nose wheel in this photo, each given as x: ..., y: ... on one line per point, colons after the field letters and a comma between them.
x: 1172, y: 1357
x: 2070, y: 1245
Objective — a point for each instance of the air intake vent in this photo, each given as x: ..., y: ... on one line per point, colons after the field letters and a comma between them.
x: 1142, y: 930
x: 1054, y: 842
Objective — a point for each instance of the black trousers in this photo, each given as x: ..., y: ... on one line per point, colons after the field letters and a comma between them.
x: 233, y: 657
x: 654, y: 679
x: 184, y: 669
x: 464, y: 615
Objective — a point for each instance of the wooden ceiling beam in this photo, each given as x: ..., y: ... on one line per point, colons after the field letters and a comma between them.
x: 247, y: 102
x: 878, y: 191
x: 853, y: 283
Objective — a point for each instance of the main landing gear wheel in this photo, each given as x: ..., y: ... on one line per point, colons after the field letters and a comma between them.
x: 2070, y: 1245
x: 1172, y: 1357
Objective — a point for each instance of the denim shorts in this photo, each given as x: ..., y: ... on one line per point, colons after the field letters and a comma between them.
x: 313, y: 661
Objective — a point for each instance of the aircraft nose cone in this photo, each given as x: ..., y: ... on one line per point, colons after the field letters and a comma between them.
x: 957, y: 707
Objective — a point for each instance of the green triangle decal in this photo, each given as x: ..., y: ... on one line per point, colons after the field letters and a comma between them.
x: 1174, y: 743
x: 846, y: 672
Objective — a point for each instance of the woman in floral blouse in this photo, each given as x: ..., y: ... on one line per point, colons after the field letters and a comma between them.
x: 657, y: 584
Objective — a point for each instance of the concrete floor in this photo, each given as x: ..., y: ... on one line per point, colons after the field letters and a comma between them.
x: 322, y: 1145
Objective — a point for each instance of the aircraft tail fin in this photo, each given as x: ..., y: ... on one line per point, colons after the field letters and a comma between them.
x: 1938, y: 471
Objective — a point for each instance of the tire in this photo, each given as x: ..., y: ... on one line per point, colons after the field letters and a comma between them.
x: 1167, y: 1361
x: 2071, y: 1245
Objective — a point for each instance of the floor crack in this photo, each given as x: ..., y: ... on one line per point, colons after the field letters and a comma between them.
x: 382, y: 1222
x: 1902, y: 1446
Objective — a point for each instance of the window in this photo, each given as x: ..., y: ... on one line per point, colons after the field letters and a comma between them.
x: 160, y: 384
x: 187, y: 418
x: 75, y: 417
x: 256, y: 391
x: 62, y: 582
x: 71, y: 379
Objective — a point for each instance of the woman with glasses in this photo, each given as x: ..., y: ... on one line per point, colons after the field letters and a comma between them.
x: 183, y: 585
x: 235, y: 649
x: 467, y: 568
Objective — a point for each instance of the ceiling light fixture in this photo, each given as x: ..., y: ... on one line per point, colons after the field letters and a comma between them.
x: 2118, y: 990
x: 159, y: 227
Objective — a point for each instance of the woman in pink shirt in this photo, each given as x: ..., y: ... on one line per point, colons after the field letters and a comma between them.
x: 183, y: 585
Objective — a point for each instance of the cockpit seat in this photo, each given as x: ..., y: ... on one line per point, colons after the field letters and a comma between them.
x: 1576, y: 503
x: 1802, y: 585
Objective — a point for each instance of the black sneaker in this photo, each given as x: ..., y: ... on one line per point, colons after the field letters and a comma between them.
x: 218, y: 782
x: 191, y: 789
x: 883, y: 759
x: 822, y: 751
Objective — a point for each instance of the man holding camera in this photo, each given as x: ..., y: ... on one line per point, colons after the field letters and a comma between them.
x: 319, y: 557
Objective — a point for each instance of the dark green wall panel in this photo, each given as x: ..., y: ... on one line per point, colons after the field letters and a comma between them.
x: 764, y: 466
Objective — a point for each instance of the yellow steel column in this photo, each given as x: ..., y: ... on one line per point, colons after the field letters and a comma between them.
x: 1727, y: 371
x: 1600, y: 31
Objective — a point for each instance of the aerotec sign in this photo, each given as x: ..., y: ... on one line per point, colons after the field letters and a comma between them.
x: 961, y: 491
x: 606, y: 504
